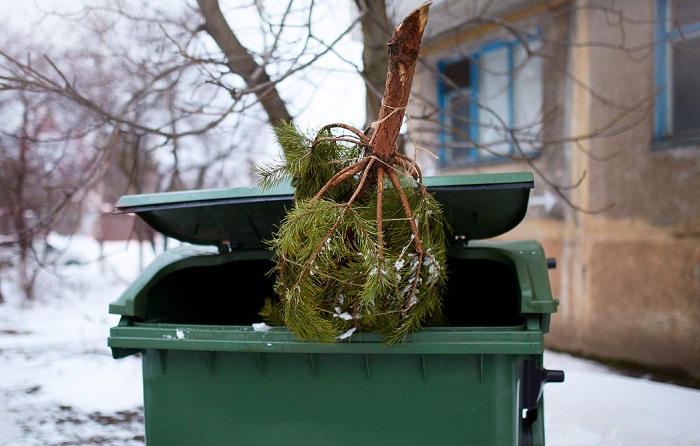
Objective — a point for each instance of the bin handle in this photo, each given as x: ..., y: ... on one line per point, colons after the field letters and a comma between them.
x: 534, y: 379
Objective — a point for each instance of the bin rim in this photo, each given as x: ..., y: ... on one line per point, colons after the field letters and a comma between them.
x: 129, y: 338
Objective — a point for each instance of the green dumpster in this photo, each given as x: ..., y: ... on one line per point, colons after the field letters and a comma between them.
x: 212, y: 375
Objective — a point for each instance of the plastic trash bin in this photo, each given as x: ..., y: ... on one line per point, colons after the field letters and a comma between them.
x: 212, y: 377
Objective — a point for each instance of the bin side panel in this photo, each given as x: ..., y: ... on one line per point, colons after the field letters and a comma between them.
x: 223, y: 398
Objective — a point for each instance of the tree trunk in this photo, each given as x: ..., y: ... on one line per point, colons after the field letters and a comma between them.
x: 404, y: 47
x: 241, y: 62
x: 25, y: 234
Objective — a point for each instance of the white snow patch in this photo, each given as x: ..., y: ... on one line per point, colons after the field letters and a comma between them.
x: 179, y: 333
x: 344, y: 315
x: 261, y: 326
x: 56, y: 366
x: 595, y: 406
x: 347, y: 334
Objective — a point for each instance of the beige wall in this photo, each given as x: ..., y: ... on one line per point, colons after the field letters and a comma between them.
x: 628, y: 291
x: 628, y: 279
x: 636, y: 289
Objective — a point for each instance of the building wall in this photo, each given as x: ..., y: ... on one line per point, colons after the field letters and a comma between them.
x: 628, y: 275
x: 639, y: 286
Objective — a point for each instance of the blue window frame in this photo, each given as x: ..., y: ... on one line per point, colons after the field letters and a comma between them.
x: 677, y: 64
x: 492, y: 103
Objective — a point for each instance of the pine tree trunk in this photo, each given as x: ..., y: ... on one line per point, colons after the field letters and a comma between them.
x: 404, y: 47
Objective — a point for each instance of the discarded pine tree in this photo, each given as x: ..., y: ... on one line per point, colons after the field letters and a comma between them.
x: 363, y: 248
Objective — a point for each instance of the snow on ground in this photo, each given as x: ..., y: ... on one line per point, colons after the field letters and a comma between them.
x: 597, y: 407
x: 58, y: 382
x: 60, y: 386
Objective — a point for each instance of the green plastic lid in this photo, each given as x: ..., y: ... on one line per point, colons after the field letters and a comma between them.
x: 476, y: 207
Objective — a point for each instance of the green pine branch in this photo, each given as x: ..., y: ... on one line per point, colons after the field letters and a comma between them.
x: 343, y: 262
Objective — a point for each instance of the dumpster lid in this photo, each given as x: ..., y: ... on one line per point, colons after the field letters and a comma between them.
x: 476, y: 207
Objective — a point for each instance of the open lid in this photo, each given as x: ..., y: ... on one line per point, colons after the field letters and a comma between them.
x: 476, y: 207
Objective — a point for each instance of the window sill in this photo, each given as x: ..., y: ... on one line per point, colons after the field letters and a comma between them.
x: 489, y: 161
x: 673, y: 143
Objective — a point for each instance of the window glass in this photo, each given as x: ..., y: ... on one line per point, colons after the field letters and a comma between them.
x: 528, y: 94
x: 486, y: 96
x: 458, y: 92
x: 460, y: 122
x: 684, y: 12
x: 494, y: 82
x: 684, y: 84
x: 460, y: 128
x: 459, y: 74
x: 677, y: 114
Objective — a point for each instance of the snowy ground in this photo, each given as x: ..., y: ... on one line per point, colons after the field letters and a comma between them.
x: 60, y: 386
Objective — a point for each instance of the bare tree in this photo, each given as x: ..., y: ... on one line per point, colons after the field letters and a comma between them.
x: 69, y: 128
x: 169, y: 95
x: 240, y: 61
x: 42, y: 172
x: 159, y: 105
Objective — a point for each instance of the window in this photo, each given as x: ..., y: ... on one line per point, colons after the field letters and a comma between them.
x: 677, y: 113
x: 492, y: 102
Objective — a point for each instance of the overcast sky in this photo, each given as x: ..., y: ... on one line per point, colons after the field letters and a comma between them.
x: 331, y: 93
